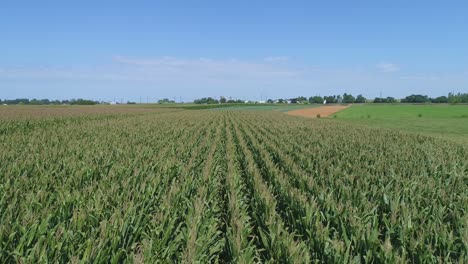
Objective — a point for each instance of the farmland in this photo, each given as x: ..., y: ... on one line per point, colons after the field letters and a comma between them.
x: 445, y: 121
x: 269, y: 107
x: 166, y: 185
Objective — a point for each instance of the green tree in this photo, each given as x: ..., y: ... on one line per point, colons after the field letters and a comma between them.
x: 360, y: 99
x: 206, y: 100
x: 348, y: 99
x: 315, y: 99
x: 301, y: 99
x: 440, y: 100
x: 332, y: 99
x: 458, y: 98
x: 82, y: 102
x: 165, y: 101
x: 415, y: 98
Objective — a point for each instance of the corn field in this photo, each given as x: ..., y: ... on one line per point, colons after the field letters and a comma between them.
x: 227, y: 186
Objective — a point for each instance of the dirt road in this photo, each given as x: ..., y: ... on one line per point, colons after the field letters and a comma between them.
x: 323, y: 111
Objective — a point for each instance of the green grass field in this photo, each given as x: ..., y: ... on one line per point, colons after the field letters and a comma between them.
x: 268, y: 107
x: 447, y: 121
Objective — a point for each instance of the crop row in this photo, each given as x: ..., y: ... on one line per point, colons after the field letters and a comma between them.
x: 227, y: 186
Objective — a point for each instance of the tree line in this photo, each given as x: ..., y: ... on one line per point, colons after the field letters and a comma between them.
x: 350, y: 99
x: 452, y: 98
x: 222, y: 100
x: 25, y: 101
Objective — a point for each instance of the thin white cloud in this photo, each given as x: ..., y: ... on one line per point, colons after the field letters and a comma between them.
x: 388, y: 67
x: 50, y: 73
x: 206, y: 68
x: 276, y: 59
x: 167, y: 69
x: 421, y: 77
x: 195, y: 77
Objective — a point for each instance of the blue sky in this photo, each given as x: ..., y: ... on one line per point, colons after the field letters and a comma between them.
x: 244, y: 49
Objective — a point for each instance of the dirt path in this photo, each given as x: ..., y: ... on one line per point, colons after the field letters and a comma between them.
x: 323, y: 111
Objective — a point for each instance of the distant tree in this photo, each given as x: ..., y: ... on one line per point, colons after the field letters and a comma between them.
x: 332, y: 99
x: 222, y: 100
x: 315, y: 100
x: 212, y: 101
x: 206, y: 100
x: 360, y: 99
x: 82, y: 102
x: 281, y: 101
x: 378, y: 100
x: 35, y: 102
x: 301, y: 99
x: 460, y: 98
x: 440, y: 100
x: 339, y: 99
x: 165, y: 101
x: 232, y: 101
x: 40, y: 102
x: 415, y: 98
x: 270, y: 101
x: 348, y: 98
x: 23, y: 101
x: 16, y: 101
x: 129, y: 102
x: 385, y: 100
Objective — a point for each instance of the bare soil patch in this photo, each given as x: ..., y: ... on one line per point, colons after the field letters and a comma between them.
x: 323, y: 111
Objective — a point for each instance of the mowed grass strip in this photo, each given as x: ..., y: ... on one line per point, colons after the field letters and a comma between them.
x: 445, y: 121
